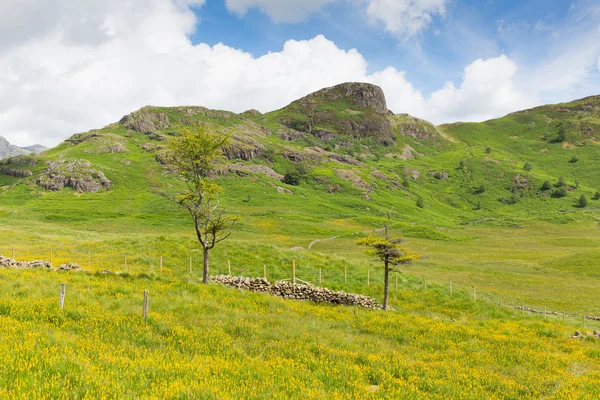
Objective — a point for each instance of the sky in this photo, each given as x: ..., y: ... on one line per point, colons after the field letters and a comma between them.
x: 68, y: 66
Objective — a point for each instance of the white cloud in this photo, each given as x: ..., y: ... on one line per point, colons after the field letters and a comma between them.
x: 487, y: 91
x: 405, y: 17
x: 278, y: 10
x: 65, y: 80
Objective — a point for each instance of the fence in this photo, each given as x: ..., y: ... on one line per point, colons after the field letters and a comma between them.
x: 336, y: 278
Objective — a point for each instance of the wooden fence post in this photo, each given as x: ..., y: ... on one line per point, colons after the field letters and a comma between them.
x: 450, y: 288
x: 13, y: 252
x: 229, y: 267
x: 190, y: 265
x: 545, y: 312
x: 61, y: 301
x: 126, y: 269
x: 320, y: 277
x: 146, y: 295
x: 345, y: 272
x: 294, y: 272
x: 523, y: 307
x: 368, y: 277
x: 265, y: 271
x: 161, y: 263
x: 396, y: 281
x: 474, y: 294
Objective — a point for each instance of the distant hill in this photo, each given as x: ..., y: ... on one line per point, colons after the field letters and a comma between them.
x: 8, y: 150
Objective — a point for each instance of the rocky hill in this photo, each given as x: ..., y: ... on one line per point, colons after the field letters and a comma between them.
x: 8, y: 150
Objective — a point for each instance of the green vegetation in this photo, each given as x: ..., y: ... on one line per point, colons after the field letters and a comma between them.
x: 479, y: 217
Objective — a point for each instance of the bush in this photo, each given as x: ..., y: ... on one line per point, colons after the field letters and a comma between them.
x: 574, y: 159
x: 527, y: 167
x: 583, y: 201
x: 561, y: 136
x: 488, y: 150
x: 292, y: 178
x: 463, y: 163
x: 480, y: 189
x: 546, y: 186
x: 514, y: 199
x: 561, y: 182
x: 420, y: 203
x: 596, y: 196
x: 558, y: 193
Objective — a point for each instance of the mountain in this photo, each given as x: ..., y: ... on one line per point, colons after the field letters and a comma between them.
x: 353, y: 155
x: 8, y: 150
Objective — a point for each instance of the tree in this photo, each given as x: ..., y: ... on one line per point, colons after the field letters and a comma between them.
x: 561, y: 136
x: 195, y: 155
x: 561, y: 182
x: 292, y: 178
x: 527, y: 167
x: 583, y: 201
x: 546, y: 186
x: 389, y: 251
x: 420, y: 203
x: 596, y: 196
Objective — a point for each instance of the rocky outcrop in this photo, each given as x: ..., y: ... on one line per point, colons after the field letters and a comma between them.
x: 357, y: 110
x: 288, y: 290
x: 7, y: 150
x: 146, y: 120
x: 243, y: 170
x: 243, y: 147
x: 16, y: 173
x: 75, y: 174
x: 354, y: 179
x: 407, y: 125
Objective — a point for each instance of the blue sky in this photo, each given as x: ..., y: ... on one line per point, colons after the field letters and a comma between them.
x: 68, y: 66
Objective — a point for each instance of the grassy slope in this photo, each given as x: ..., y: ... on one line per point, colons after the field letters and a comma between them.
x: 540, y: 250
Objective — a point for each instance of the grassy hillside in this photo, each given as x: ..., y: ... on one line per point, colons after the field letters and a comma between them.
x: 470, y: 197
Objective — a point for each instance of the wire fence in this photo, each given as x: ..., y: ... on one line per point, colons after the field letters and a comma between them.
x: 334, y: 277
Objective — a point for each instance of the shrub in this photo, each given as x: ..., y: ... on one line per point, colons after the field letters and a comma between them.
x: 558, y: 193
x: 480, y: 189
x: 574, y: 159
x: 561, y: 136
x: 514, y: 199
x: 292, y: 178
x: 561, y: 182
x: 546, y: 186
x: 420, y: 203
x: 527, y: 167
x: 583, y: 201
x: 488, y: 150
x: 596, y: 196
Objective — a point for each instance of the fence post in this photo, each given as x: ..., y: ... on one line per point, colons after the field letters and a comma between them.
x: 294, y: 272
x: 13, y: 252
x: 523, y: 307
x: 396, y: 281
x: 501, y: 301
x: 146, y: 295
x: 265, y: 271
x: 474, y: 294
x: 425, y: 283
x: 229, y: 267
x: 545, y: 312
x: 161, y: 263
x: 190, y: 265
x: 345, y: 272
x: 368, y: 277
x: 450, y: 288
x: 320, y: 277
x: 61, y: 301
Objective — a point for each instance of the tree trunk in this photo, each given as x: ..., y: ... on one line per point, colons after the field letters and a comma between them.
x: 386, y: 284
x: 205, y: 272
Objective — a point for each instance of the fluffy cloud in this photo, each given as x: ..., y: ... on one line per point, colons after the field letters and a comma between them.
x: 405, y: 17
x: 277, y: 10
x: 69, y: 76
x: 487, y: 90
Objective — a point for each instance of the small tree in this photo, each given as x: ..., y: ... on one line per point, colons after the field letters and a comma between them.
x: 420, y: 203
x: 596, y: 196
x: 583, y: 201
x: 389, y: 251
x: 546, y: 186
x: 195, y: 154
x: 527, y: 167
x: 561, y: 136
x: 561, y: 182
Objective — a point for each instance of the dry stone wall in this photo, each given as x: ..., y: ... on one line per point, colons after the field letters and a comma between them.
x: 288, y: 290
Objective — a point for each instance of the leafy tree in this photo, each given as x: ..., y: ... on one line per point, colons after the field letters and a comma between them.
x: 546, y: 186
x: 527, y: 167
x: 391, y: 253
x: 195, y: 155
x: 596, y: 196
x: 583, y: 201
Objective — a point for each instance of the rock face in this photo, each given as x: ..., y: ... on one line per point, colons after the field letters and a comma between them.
x: 358, y: 110
x: 288, y: 290
x: 146, y: 121
x: 8, y: 150
x: 75, y: 174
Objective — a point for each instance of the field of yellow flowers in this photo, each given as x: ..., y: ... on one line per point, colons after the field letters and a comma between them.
x: 214, y: 342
